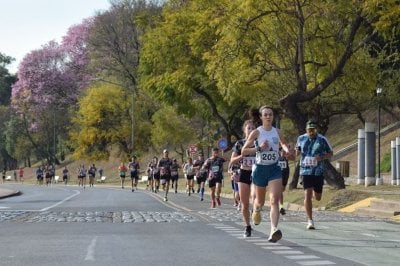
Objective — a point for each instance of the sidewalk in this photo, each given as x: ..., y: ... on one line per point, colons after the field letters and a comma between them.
x: 5, y: 192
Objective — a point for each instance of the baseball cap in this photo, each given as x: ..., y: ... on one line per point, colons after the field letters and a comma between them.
x: 311, y: 124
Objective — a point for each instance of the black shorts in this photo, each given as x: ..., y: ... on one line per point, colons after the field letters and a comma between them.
x: 189, y: 177
x: 156, y: 176
x: 285, y: 176
x: 201, y: 178
x: 213, y: 182
x: 134, y: 175
x: 174, y: 177
x: 166, y: 177
x: 313, y: 181
x: 245, y: 176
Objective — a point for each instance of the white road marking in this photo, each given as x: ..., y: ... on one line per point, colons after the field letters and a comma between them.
x: 77, y: 192
x: 266, y: 244
x: 276, y: 247
x: 3, y: 207
x: 302, y: 257
x: 287, y: 252
x: 316, y: 262
x: 371, y: 235
x: 90, y: 249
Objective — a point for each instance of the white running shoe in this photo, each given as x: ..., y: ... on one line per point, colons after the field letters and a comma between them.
x: 310, y: 225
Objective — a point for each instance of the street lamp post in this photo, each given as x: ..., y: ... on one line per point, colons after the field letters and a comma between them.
x: 378, y: 93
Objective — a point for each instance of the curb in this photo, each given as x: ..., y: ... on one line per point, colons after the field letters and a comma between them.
x: 6, y: 193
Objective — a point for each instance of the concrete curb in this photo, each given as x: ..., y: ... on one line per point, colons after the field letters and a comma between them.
x: 5, y: 193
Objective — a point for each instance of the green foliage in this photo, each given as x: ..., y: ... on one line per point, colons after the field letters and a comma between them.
x: 385, y: 163
x: 102, y: 121
x: 171, y: 129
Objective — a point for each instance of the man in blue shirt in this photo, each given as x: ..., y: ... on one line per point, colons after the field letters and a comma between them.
x: 313, y: 149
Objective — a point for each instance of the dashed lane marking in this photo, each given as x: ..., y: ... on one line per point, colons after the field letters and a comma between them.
x: 276, y: 248
x: 302, y: 257
x: 317, y: 262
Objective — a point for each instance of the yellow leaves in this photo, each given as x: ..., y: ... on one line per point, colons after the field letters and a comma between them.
x: 102, y: 120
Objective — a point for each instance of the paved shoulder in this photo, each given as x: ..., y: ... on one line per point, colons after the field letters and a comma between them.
x: 5, y: 192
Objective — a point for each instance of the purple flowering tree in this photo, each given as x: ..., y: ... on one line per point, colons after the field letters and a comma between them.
x: 50, y: 81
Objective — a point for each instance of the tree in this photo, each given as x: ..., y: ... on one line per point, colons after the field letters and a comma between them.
x: 6, y: 79
x: 173, y: 66
x: 171, y: 130
x: 101, y: 123
x: 50, y: 80
x: 309, y: 58
x: 115, y: 44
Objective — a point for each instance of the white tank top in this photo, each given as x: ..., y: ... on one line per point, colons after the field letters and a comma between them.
x: 271, y: 155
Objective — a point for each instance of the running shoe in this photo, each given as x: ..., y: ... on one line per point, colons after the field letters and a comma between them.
x: 218, y: 202
x: 198, y: 190
x: 176, y: 191
x: 201, y: 199
x: 310, y: 225
x: 247, y: 231
x: 192, y: 190
x: 213, y: 205
x: 282, y: 211
x: 256, y: 216
x: 165, y: 199
x: 275, y: 236
x: 133, y: 190
x: 235, y: 204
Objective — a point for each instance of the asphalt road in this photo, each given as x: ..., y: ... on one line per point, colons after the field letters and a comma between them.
x: 67, y: 225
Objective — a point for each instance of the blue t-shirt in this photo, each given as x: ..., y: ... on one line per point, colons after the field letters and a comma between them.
x: 310, y: 148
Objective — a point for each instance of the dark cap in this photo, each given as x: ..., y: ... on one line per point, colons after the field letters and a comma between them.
x: 311, y: 124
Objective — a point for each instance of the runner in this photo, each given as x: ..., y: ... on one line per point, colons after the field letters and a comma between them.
x: 92, y: 174
x: 266, y: 171
x: 152, y: 165
x: 122, y: 173
x: 314, y: 149
x: 244, y: 182
x: 214, y: 166
x: 82, y: 176
x: 165, y: 172
x: 189, y: 172
x: 284, y: 164
x: 174, y: 174
x: 65, y: 175
x: 134, y: 170
x: 4, y: 173
x: 156, y: 175
x: 39, y: 175
x: 201, y: 175
x: 21, y: 175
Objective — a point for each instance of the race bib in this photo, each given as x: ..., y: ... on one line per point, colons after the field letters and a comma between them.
x: 215, y: 169
x: 282, y: 164
x: 174, y: 173
x: 310, y: 161
x: 267, y: 157
x: 248, y: 161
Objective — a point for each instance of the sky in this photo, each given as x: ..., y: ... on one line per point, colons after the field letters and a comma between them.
x: 26, y: 25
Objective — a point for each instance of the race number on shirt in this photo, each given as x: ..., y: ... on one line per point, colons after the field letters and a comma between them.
x: 248, y: 161
x: 310, y: 161
x: 267, y: 157
x: 282, y: 164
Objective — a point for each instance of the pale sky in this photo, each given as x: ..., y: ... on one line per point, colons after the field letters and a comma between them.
x: 26, y: 25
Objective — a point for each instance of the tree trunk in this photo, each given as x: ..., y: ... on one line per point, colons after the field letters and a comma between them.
x: 331, y: 176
